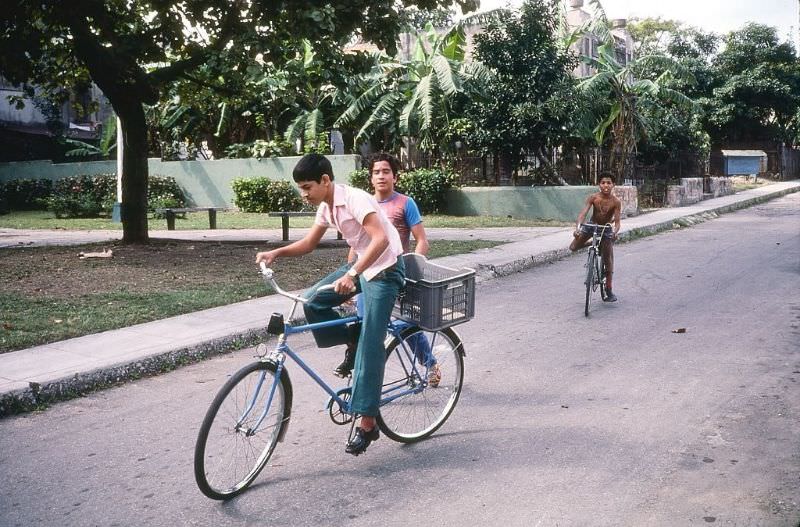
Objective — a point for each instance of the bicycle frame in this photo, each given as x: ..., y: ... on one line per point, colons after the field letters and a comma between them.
x: 282, y: 350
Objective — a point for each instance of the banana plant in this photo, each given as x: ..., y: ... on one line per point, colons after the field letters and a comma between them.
x: 107, y: 144
x: 621, y: 96
x: 415, y: 97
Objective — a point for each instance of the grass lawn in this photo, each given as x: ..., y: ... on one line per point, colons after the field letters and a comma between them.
x: 49, y: 294
x: 242, y: 220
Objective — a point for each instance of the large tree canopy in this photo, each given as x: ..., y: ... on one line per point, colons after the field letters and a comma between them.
x: 530, y: 103
x: 756, y: 95
x: 133, y: 49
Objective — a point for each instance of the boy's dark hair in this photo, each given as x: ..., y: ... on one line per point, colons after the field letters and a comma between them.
x: 311, y: 167
x: 383, y: 156
x: 606, y: 174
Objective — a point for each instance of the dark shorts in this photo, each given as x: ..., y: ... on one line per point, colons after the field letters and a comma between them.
x: 586, y: 230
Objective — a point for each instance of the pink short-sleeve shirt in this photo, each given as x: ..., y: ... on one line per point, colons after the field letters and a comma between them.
x: 350, y: 207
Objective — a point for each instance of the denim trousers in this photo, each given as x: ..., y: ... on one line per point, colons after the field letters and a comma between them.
x: 418, y: 342
x: 379, y: 294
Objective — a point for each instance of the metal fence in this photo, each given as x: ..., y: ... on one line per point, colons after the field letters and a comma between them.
x: 582, y: 166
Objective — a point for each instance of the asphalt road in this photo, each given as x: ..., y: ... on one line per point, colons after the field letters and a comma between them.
x: 606, y: 421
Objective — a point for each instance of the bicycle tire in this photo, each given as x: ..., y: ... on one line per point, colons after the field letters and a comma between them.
x: 590, y: 264
x: 227, y: 456
x: 418, y: 414
x: 601, y: 279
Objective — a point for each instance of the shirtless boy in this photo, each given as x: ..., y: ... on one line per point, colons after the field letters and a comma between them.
x: 605, y: 208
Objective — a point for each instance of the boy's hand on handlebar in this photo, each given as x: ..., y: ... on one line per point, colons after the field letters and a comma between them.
x: 266, y: 256
x: 344, y: 285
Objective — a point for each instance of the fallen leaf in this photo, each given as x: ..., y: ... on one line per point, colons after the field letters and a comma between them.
x: 679, y: 330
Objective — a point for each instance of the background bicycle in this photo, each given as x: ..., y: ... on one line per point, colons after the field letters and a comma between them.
x: 251, y: 413
x: 595, y: 269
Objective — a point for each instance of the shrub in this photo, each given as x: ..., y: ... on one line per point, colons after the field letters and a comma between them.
x: 260, y: 148
x: 163, y: 192
x: 428, y: 187
x: 263, y: 195
x: 360, y: 179
x: 86, y: 196
x: 78, y: 196
x: 26, y: 194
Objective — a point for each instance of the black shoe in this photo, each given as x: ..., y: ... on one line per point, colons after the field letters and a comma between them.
x: 361, y: 440
x: 610, y: 297
x: 346, y: 367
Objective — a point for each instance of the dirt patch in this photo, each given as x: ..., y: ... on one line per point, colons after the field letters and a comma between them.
x: 162, y: 265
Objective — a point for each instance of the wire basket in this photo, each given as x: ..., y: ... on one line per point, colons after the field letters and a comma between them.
x: 435, y: 296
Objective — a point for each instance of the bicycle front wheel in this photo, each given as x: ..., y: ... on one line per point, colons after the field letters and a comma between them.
x: 421, y: 384
x: 241, y: 428
x: 590, y: 271
x: 601, y: 279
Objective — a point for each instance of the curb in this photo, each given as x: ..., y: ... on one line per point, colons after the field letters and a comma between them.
x: 487, y: 272
x: 38, y: 396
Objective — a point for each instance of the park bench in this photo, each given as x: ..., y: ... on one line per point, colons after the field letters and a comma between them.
x: 284, y: 216
x: 170, y: 213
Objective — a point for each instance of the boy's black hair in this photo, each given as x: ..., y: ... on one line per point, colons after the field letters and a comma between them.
x: 383, y: 156
x: 607, y: 174
x: 311, y: 167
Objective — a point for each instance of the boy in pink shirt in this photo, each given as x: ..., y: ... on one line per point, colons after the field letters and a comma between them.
x: 378, y: 274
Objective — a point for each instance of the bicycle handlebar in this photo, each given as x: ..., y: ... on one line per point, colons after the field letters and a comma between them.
x: 269, y: 276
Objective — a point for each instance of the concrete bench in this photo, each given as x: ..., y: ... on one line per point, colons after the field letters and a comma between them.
x: 284, y: 216
x: 171, y: 212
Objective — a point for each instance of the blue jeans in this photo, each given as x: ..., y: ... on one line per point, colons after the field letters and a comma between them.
x: 380, y: 294
x: 418, y: 342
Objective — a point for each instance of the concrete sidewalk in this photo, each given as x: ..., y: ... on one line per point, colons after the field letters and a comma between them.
x: 36, y: 376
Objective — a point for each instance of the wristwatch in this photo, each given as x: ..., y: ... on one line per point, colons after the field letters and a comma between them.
x: 352, y: 273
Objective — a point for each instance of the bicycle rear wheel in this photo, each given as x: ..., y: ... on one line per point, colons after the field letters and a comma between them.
x: 420, y: 396
x: 233, y: 446
x: 590, y: 271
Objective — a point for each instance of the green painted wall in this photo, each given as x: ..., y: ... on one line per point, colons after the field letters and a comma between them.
x: 206, y: 183
x: 556, y: 203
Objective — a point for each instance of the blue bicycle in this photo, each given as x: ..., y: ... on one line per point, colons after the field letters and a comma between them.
x: 250, y: 415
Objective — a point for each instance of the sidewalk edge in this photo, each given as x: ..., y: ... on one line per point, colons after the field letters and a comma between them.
x: 39, y: 396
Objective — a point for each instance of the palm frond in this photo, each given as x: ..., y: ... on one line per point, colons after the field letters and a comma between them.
x: 454, y: 46
x: 383, y: 112
x: 296, y: 127
x: 81, y: 149
x: 600, y: 81
x: 360, y: 105
x: 447, y: 82
x: 602, y: 127
x: 315, y: 123
x: 416, y: 96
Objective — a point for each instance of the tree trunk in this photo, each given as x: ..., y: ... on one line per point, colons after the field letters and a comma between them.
x: 134, y: 172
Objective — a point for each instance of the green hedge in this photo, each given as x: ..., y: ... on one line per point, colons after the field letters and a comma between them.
x: 26, y: 194
x: 261, y: 194
x: 428, y: 186
x: 89, y: 196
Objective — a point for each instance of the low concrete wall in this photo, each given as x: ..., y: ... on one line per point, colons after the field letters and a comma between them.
x: 553, y: 203
x: 690, y: 190
x: 719, y: 186
x: 206, y: 183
